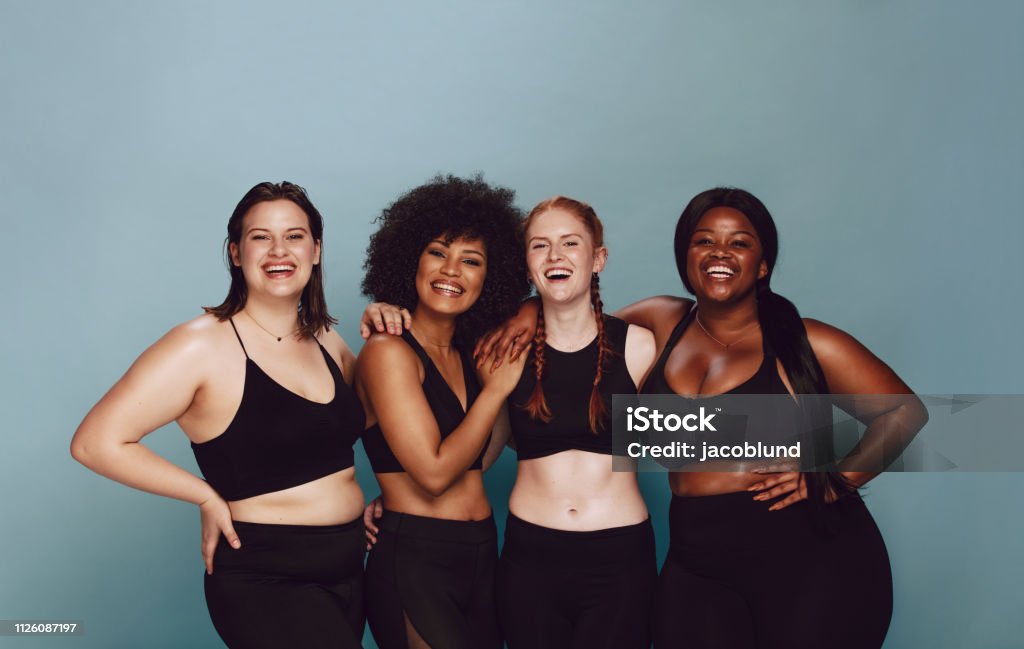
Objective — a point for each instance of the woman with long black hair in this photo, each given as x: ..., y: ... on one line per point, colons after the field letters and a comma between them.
x: 260, y: 386
x: 787, y: 559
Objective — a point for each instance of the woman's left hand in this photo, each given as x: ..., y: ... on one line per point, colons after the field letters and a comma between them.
x: 790, y: 482
x: 777, y: 484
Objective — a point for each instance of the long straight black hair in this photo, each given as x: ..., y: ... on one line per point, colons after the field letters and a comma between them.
x: 313, y: 315
x: 781, y: 325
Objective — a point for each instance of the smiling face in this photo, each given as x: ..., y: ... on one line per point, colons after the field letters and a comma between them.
x: 450, y: 275
x: 561, y: 256
x: 724, y: 259
x: 276, y: 251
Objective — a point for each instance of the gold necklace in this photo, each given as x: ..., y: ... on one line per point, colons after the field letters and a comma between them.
x: 708, y: 333
x: 268, y: 330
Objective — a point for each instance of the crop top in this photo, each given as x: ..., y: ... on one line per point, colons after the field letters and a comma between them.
x: 568, y: 380
x: 443, y: 403
x: 773, y: 417
x: 765, y: 381
x: 278, y: 439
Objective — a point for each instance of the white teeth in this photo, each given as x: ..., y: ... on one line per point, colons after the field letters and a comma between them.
x: 720, y: 270
x: 445, y: 286
x: 281, y: 267
x: 558, y: 273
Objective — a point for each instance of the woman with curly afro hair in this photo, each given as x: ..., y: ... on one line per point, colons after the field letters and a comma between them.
x: 449, y: 253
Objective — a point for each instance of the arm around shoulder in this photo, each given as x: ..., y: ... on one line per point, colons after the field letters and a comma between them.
x: 655, y: 312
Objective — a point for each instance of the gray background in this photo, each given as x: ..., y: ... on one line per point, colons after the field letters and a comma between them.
x: 884, y: 136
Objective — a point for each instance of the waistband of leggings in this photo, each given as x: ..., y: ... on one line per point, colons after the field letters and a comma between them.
x: 441, y: 529
x: 586, y: 550
x: 516, y: 523
x: 268, y: 529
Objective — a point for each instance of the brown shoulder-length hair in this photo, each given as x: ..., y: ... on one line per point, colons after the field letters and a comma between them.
x: 313, y: 315
x: 537, y: 405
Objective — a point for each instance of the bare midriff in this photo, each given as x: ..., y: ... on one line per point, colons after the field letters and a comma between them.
x: 576, y: 491
x: 740, y: 477
x: 330, y: 500
x: 464, y: 500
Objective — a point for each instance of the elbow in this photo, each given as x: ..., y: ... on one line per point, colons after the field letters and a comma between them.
x: 916, y: 413
x: 922, y: 415
x: 80, y: 451
x: 435, y: 486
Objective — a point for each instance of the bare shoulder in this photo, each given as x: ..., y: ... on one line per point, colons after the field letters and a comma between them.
x: 850, y: 367
x: 197, y: 338
x: 829, y: 342
x: 385, y: 351
x: 190, y: 353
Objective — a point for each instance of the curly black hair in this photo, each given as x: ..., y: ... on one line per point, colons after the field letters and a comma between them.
x: 450, y: 208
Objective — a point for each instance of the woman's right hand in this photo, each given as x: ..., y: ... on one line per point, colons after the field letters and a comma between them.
x: 372, y: 512
x: 381, y: 317
x: 502, y: 376
x: 510, y: 339
x: 215, y: 516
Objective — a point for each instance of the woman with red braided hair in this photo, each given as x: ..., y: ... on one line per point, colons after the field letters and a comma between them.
x: 578, y: 566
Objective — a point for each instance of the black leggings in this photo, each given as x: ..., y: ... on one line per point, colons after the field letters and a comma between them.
x: 580, y: 590
x: 738, y: 576
x: 289, y: 586
x: 437, y: 576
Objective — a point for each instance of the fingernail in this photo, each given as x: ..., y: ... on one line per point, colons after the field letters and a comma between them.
x: 236, y: 543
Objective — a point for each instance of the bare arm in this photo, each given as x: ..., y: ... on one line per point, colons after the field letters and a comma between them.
x: 500, y: 435
x: 870, y: 391
x: 157, y: 389
x: 388, y: 374
x: 658, y: 314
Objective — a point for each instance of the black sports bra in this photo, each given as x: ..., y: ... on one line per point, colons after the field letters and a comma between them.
x: 278, y: 439
x: 752, y: 419
x: 568, y: 381
x: 444, y: 404
x: 765, y: 381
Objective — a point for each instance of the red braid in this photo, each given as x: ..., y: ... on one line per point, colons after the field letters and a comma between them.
x: 537, y: 405
x: 598, y: 407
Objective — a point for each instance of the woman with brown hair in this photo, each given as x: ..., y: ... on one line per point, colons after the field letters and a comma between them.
x: 260, y: 386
